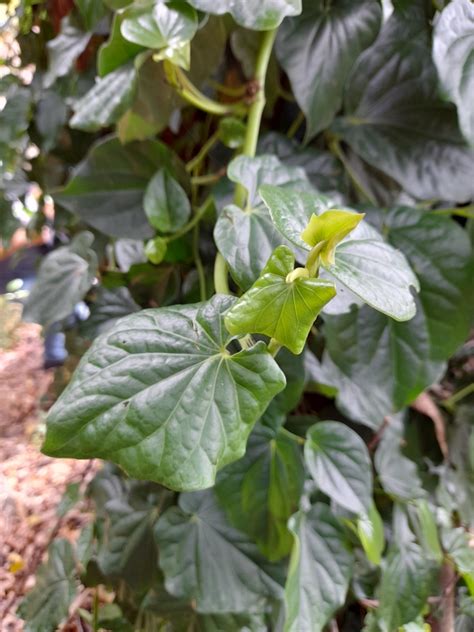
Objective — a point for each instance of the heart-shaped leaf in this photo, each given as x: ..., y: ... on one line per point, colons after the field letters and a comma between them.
x: 363, y: 263
x: 64, y: 278
x: 261, y: 491
x: 319, y: 572
x: 280, y: 305
x: 133, y: 399
x: 166, y: 204
x: 453, y: 46
x: 317, y: 49
x: 339, y: 462
x: 195, y: 536
x: 260, y: 15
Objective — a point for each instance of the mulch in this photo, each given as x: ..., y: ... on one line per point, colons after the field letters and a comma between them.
x: 31, y: 484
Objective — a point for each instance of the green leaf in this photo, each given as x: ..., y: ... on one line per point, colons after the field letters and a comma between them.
x: 322, y: 168
x: 252, y: 173
x: 166, y: 204
x: 371, y: 534
x: 327, y: 230
x: 339, y: 462
x: 107, y: 308
x: 69, y: 499
x: 155, y: 250
x: 404, y: 587
x: 453, y: 46
x: 279, y: 304
x: 106, y: 189
x: 159, y: 25
x: 318, y: 48
x: 64, y: 49
x: 319, y: 572
x: 364, y: 264
x: 105, y: 103
x: 64, y: 278
x: 117, y: 50
x: 395, y: 120
x: 194, y: 536
x: 261, y: 491
x: 129, y: 252
x: 133, y: 400
x: 92, y: 11
x: 456, y: 542
x: 428, y: 530
x: 47, y: 605
x: 398, y: 474
x: 231, y: 132
x: 260, y: 15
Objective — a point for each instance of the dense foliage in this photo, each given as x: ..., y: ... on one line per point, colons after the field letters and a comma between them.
x: 265, y: 205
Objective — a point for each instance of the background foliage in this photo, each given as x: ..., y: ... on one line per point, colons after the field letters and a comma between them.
x: 271, y: 471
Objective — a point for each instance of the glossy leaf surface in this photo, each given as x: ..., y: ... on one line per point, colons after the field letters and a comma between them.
x: 260, y: 15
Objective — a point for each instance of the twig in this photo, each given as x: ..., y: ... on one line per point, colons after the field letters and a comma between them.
x: 373, y: 443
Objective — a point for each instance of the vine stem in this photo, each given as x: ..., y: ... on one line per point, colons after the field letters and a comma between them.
x: 205, y: 149
x: 250, y: 142
x: 336, y: 149
x: 201, y: 211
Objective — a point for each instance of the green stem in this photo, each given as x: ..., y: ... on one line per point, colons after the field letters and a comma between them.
x: 205, y: 149
x: 294, y: 127
x: 273, y: 347
x: 462, y: 211
x: 209, y: 178
x: 199, y: 266
x: 293, y: 436
x: 336, y: 149
x: 201, y: 211
x: 450, y: 403
x: 256, y: 109
x: 221, y: 284
x: 95, y: 612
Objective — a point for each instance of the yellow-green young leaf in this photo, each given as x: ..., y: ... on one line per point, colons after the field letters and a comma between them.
x: 328, y: 229
x: 160, y: 395
x: 283, y: 303
x: 429, y: 530
x: 371, y: 535
x: 155, y: 250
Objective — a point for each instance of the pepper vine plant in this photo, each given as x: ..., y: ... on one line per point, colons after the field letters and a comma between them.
x: 267, y: 207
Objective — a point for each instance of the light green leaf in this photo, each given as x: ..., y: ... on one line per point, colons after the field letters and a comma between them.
x: 47, y: 605
x: 327, y: 230
x: 92, y: 11
x: 64, y: 277
x: 364, y: 264
x: 279, y: 304
x: 64, y: 49
x: 107, y: 307
x: 260, y: 15
x: 319, y: 572
x: 129, y: 252
x: 159, y: 24
x: 252, y: 173
x: 105, y: 103
x: 339, y: 462
x: 155, y: 250
x: 194, y: 536
x: 231, y: 131
x: 133, y: 399
x: 428, y: 530
x: 117, y: 50
x: 371, y: 534
x: 404, y: 587
x: 318, y: 48
x: 106, y: 189
x: 261, y: 491
x: 453, y: 54
x: 395, y: 119
x: 166, y: 204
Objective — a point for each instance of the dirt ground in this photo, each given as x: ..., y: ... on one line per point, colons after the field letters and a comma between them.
x: 31, y: 484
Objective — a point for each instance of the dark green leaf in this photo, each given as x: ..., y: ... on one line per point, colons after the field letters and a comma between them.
x: 64, y: 49
x: 166, y: 204
x: 105, y: 103
x: 195, y: 536
x: 117, y: 50
x: 106, y: 189
x: 107, y: 308
x: 47, y: 605
x: 453, y: 54
x: 319, y: 572
x: 339, y: 462
x: 161, y: 430
x: 92, y: 11
x: 283, y: 308
x: 64, y: 278
x: 261, y: 491
x: 317, y: 50
x: 260, y: 15
x: 456, y: 542
x: 395, y: 120
x: 404, y: 588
